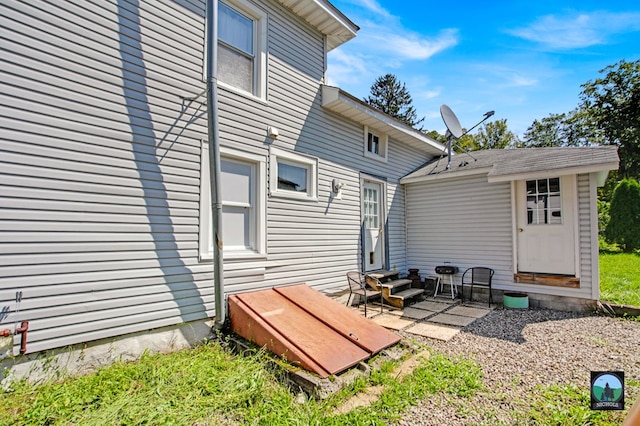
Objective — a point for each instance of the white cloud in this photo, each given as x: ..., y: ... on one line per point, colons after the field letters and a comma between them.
x: 578, y: 30
x: 412, y: 47
x: 520, y: 80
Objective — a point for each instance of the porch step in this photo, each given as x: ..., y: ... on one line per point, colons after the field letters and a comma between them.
x: 396, y: 284
x: 397, y: 299
x: 395, y: 290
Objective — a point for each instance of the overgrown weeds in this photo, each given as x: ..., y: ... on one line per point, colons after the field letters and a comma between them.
x: 210, y: 385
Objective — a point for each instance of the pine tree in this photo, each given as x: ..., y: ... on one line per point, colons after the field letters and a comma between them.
x: 391, y: 96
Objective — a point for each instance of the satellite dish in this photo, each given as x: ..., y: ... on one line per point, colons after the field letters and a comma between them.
x: 451, y: 121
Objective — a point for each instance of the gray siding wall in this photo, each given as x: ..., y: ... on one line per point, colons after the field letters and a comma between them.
x: 465, y: 221
x: 468, y: 222
x: 99, y: 170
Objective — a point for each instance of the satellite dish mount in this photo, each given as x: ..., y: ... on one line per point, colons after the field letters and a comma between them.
x: 454, y: 129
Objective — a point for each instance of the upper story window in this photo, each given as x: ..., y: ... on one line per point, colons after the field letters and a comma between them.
x: 242, y: 47
x: 293, y: 175
x: 375, y: 144
x: 544, y: 201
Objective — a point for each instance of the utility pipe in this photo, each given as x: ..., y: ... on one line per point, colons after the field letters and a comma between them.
x: 24, y: 326
x: 214, y: 158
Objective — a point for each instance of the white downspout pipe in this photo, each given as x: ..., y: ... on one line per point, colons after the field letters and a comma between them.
x: 214, y: 159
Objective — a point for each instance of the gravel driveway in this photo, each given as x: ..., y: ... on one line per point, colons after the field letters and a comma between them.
x: 518, y: 350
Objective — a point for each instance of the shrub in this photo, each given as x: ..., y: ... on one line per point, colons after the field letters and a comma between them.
x: 624, y: 212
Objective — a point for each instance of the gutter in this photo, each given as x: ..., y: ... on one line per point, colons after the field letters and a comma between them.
x: 214, y: 159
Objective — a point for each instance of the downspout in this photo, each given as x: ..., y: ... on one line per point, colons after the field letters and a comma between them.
x: 214, y: 159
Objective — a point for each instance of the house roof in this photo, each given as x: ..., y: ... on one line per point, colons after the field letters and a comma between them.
x: 341, y: 102
x: 502, y: 165
x: 325, y: 17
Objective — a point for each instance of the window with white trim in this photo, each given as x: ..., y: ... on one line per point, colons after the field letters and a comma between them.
x: 375, y: 144
x: 293, y: 175
x: 243, y: 205
x: 242, y: 30
x: 544, y: 202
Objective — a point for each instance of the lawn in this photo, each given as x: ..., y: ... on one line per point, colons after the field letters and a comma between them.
x: 209, y: 385
x: 620, y: 277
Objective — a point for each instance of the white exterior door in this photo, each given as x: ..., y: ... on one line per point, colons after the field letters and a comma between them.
x: 545, y: 225
x: 373, y: 225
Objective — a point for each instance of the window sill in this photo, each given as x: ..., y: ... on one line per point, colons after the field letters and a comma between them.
x: 240, y: 92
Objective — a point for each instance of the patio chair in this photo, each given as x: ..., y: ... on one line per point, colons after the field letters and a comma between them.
x: 478, y: 276
x: 358, y: 286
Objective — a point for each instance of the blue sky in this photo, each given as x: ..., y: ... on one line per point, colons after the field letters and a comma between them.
x: 525, y: 60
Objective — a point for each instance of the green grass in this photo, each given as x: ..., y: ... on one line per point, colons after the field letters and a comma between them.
x: 211, y: 386
x: 571, y: 406
x: 620, y: 277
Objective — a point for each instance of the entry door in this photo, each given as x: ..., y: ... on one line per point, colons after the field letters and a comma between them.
x: 545, y: 221
x: 373, y: 225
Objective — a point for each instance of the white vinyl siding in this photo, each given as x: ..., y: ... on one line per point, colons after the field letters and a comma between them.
x: 99, y: 172
x: 463, y: 221
x: 468, y: 222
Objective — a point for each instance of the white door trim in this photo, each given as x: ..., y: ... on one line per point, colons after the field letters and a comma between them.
x: 382, y: 212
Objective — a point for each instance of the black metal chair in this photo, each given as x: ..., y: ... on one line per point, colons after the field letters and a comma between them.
x: 478, y: 276
x: 358, y: 286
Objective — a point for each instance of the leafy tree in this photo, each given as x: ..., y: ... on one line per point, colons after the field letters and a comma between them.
x: 624, y: 216
x: 492, y: 135
x: 567, y: 129
x: 612, y: 107
x: 433, y: 134
x: 496, y: 135
x: 391, y: 96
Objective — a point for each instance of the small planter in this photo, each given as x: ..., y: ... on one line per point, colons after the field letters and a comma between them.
x: 515, y: 300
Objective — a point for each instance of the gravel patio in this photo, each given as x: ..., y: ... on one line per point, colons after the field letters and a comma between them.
x: 519, y: 350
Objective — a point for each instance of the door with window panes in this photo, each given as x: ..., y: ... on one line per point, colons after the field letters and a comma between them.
x: 545, y: 224
x: 373, y: 225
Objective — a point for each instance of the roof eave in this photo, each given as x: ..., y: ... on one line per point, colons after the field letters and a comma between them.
x: 348, y: 106
x: 326, y: 18
x: 602, y: 168
x: 444, y: 175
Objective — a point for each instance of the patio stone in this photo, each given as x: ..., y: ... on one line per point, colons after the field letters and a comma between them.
x: 412, y: 313
x: 434, y: 331
x: 391, y: 321
x: 432, y: 306
x: 468, y: 311
x: 449, y: 319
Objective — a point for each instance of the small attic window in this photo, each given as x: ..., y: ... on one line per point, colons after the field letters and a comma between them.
x: 375, y: 144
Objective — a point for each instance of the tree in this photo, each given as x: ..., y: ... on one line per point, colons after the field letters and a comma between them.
x: 492, y: 135
x: 391, y: 96
x: 566, y: 129
x: 611, y: 106
x: 624, y: 216
x: 496, y: 135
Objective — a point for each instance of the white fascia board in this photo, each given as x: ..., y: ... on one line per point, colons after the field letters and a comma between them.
x: 541, y: 174
x: 444, y: 175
